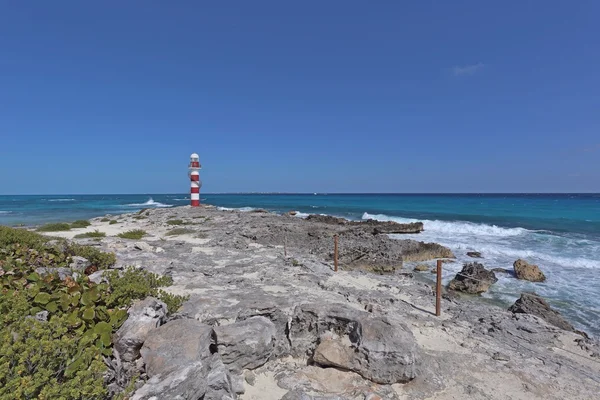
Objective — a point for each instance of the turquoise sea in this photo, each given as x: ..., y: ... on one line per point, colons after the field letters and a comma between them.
x: 559, y: 232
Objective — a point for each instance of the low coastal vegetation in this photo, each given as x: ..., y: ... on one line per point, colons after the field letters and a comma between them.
x: 94, y: 234
x: 54, y: 227
x: 113, y: 222
x: 56, y: 334
x: 80, y: 224
x: 175, y: 222
x: 179, y: 231
x: 133, y: 234
x: 105, y: 219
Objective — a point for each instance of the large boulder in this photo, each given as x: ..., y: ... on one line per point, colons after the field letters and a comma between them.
x: 246, y: 344
x: 531, y: 303
x: 144, y: 316
x: 528, y: 272
x: 341, y: 337
x: 189, y: 382
x: 175, y: 344
x: 473, y: 279
x: 219, y: 385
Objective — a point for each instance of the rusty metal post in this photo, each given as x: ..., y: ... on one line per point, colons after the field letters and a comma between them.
x: 438, y: 291
x: 335, y: 253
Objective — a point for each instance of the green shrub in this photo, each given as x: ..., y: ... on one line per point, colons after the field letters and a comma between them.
x: 98, y: 258
x: 175, y: 222
x: 105, y: 219
x: 179, y: 231
x: 139, y: 217
x: 113, y: 221
x: 62, y: 357
x: 81, y: 223
x: 133, y: 234
x: 95, y: 234
x: 56, y: 227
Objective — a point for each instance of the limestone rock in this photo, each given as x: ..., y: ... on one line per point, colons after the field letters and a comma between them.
x: 473, y: 278
x: 97, y: 277
x: 246, y: 344
x: 375, y: 348
x: 528, y: 272
x: 144, y: 316
x: 474, y: 254
x: 421, y: 268
x: 79, y: 264
x: 502, y: 270
x: 531, y: 303
x: 218, y: 381
x: 175, y: 344
x: 188, y: 382
x: 143, y: 246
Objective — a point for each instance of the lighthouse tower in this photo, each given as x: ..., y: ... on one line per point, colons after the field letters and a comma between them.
x: 195, y: 182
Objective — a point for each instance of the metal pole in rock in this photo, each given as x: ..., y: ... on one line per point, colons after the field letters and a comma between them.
x: 335, y: 252
x: 438, y: 291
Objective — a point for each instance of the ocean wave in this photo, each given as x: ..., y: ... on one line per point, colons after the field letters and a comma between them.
x: 60, y: 199
x: 495, y: 250
x: 5, y: 212
x: 150, y: 203
x: 242, y: 209
x: 464, y: 228
x: 301, y: 214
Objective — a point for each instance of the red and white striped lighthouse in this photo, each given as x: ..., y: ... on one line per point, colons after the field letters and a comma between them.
x: 195, y: 182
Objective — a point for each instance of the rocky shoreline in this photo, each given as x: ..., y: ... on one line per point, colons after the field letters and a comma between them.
x: 268, y: 318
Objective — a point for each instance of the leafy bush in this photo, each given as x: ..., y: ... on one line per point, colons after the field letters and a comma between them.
x: 80, y: 224
x: 133, y: 234
x: 98, y: 258
x: 175, y: 222
x: 56, y: 227
x: 113, y: 221
x: 95, y: 234
x: 61, y: 358
x: 105, y: 219
x: 139, y: 217
x: 179, y: 231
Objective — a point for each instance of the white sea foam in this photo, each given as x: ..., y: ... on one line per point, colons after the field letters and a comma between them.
x: 242, y: 209
x: 150, y: 203
x: 61, y: 199
x: 5, y: 212
x: 301, y: 214
x: 453, y: 227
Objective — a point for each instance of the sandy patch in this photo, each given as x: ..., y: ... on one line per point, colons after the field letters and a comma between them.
x: 265, y: 388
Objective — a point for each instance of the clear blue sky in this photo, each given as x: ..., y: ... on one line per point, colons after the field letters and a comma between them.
x: 305, y: 96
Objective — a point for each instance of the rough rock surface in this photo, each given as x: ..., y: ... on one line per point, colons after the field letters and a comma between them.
x: 473, y: 279
x: 178, y: 342
x: 531, y: 303
x: 377, y: 349
x: 246, y: 344
x: 421, y: 268
x: 528, y: 272
x: 79, y: 264
x: 474, y: 254
x: 144, y: 316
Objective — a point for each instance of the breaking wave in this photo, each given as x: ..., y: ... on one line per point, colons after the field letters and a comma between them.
x: 150, y: 203
x: 458, y: 227
x: 60, y: 199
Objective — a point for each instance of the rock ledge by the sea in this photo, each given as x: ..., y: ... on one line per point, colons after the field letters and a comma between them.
x: 531, y: 303
x: 528, y: 272
x: 473, y: 278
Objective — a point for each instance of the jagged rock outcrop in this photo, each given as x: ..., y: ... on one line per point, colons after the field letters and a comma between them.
x: 372, y: 225
x: 528, y: 272
x: 473, y: 279
x: 337, y: 336
x: 218, y: 381
x: 246, y: 344
x: 474, y: 254
x: 421, y: 268
x: 79, y: 264
x: 144, y: 316
x: 179, y: 342
x: 531, y: 303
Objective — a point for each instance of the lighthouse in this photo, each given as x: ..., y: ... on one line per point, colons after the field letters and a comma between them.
x: 195, y: 182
